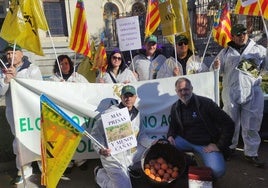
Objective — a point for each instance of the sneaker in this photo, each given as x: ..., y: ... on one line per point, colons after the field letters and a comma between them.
x: 96, y: 169
x: 18, y: 179
x: 254, y: 160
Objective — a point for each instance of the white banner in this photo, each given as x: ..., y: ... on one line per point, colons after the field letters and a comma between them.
x: 84, y: 101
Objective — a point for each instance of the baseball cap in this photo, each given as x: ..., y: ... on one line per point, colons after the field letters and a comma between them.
x: 151, y: 38
x: 238, y: 29
x: 11, y: 47
x: 128, y: 89
x: 181, y: 38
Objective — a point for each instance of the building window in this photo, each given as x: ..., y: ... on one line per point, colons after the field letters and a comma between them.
x: 56, y: 17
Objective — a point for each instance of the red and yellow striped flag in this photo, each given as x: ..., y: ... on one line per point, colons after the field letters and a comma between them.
x: 222, y: 27
x: 60, y: 136
x: 152, y: 17
x: 100, y: 59
x: 79, y: 41
x: 252, y: 9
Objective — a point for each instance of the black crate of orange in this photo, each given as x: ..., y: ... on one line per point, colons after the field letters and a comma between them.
x: 162, y: 163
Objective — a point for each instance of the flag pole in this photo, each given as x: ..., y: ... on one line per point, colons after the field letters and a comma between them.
x: 204, y: 53
x: 102, y: 147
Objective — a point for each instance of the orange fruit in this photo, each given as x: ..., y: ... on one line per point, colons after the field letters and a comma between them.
x: 152, y: 176
x: 166, y: 176
x: 158, y: 179
x: 160, y: 160
x: 174, y: 174
x: 146, y: 166
x: 164, y: 166
x: 161, y: 172
x: 157, y: 166
x: 152, y: 170
x: 175, y: 168
x: 147, y: 171
x: 169, y: 171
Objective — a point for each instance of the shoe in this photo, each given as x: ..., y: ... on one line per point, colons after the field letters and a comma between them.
x: 18, y: 180
x: 96, y: 169
x: 254, y: 160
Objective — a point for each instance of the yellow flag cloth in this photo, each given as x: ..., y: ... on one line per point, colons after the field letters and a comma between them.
x: 60, y: 136
x: 172, y: 17
x: 100, y: 59
x: 21, y: 25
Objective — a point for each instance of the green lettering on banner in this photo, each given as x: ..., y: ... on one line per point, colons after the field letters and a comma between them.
x: 84, y: 146
x: 37, y: 123
x: 89, y: 122
x: 165, y: 121
x: 22, y: 124
x: 150, y: 121
x: 76, y: 119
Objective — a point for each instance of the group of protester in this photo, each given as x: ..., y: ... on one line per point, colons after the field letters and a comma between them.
x: 197, y: 123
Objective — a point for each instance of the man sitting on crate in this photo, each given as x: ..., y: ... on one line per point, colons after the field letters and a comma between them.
x: 199, y: 125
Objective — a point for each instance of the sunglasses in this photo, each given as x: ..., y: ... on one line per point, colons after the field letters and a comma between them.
x: 181, y: 43
x: 116, y: 58
x: 243, y: 33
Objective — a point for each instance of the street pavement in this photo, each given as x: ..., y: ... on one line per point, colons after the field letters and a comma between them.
x: 239, y: 174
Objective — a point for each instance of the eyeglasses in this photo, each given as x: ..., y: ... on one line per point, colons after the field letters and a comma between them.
x: 183, y: 89
x: 243, y: 33
x: 181, y: 43
x: 116, y: 58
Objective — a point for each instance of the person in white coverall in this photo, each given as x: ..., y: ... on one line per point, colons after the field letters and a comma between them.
x: 21, y: 68
x: 114, y: 174
x: 147, y: 63
x: 187, y: 62
x: 67, y: 70
x: 241, y: 64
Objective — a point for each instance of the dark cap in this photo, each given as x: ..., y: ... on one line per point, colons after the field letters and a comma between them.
x: 128, y: 89
x: 181, y: 38
x: 11, y: 47
x: 238, y: 29
x: 151, y: 38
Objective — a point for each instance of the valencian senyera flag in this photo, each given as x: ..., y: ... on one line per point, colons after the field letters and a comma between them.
x: 100, y: 59
x: 222, y: 26
x: 152, y: 17
x: 60, y: 136
x: 79, y: 41
x: 252, y: 8
x: 21, y: 25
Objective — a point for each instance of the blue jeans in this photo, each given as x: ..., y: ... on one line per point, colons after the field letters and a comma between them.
x: 214, y: 160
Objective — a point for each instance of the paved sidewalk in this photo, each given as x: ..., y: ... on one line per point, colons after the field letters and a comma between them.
x: 239, y: 174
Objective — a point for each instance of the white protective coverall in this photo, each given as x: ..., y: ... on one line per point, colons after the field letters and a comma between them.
x: 113, y: 175
x: 147, y: 69
x: 28, y: 71
x: 242, y: 95
x: 193, y: 66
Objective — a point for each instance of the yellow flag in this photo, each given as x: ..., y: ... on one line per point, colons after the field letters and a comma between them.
x: 172, y: 17
x: 21, y: 25
x: 100, y: 59
x: 60, y: 136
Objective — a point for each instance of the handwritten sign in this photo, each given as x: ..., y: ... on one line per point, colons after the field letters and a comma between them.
x: 118, y: 130
x: 128, y: 30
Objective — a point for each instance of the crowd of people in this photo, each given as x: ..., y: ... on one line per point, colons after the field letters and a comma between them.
x: 197, y: 123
